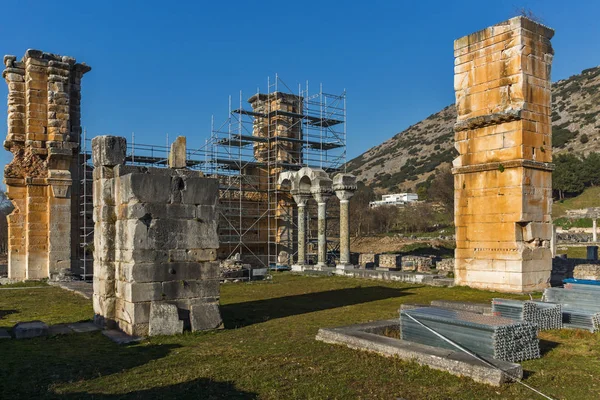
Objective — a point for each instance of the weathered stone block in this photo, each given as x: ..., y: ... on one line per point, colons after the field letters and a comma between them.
x: 181, y: 289
x: 164, y: 320
x: 139, y: 292
x: 587, y: 271
x: 26, y: 330
x: 390, y: 261
x: 416, y: 263
x: 108, y: 151
x: 168, y: 271
x: 445, y: 265
x: 368, y: 260
x: 201, y: 191
x: 144, y: 188
x: 178, y: 156
x: 205, y: 317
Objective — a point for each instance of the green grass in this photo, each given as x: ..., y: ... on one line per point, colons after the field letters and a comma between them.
x: 268, y: 351
x: 589, y: 198
x: 573, y: 252
x: 47, y: 303
x: 567, y: 223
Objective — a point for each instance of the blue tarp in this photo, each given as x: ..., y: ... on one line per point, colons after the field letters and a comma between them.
x: 582, y: 281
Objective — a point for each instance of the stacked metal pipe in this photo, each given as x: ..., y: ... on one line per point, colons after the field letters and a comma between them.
x: 485, y: 335
x: 580, y: 307
x: 582, y: 286
x: 544, y: 315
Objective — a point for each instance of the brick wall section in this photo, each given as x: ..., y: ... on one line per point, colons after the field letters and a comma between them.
x: 503, y: 175
x: 155, y: 242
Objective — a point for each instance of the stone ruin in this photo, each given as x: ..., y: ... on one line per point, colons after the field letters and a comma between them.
x: 503, y: 174
x: 44, y: 134
x: 155, y: 269
x: 314, y: 183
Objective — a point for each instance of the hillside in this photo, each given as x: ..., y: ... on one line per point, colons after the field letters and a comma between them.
x: 411, y: 156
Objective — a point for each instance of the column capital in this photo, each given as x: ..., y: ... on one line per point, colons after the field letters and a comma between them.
x: 343, y: 181
x: 344, y: 195
x: 321, y: 197
x: 301, y: 198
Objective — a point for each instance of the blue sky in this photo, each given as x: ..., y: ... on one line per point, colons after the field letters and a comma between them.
x: 166, y: 67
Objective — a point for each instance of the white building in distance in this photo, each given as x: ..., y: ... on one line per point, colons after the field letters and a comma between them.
x: 395, y: 199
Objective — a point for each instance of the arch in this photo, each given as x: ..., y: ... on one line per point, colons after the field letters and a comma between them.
x: 304, y: 184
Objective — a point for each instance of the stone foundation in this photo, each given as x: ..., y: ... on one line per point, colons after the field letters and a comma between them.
x: 417, y: 263
x: 503, y: 175
x: 390, y: 262
x: 155, y: 245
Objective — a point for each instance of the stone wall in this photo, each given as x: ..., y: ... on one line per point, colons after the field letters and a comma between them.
x: 587, y: 271
x: 445, y: 265
x: 155, y: 244
x: 503, y: 175
x: 390, y: 262
x: 417, y: 263
x: 44, y: 132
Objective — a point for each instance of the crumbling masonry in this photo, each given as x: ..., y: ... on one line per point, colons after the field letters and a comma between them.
x: 503, y: 175
x: 155, y: 243
x: 44, y: 131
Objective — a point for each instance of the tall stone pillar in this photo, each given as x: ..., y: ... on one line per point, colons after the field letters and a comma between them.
x: 503, y: 174
x: 278, y: 125
x: 301, y: 201
x: 155, y: 268
x: 43, y: 135
x: 344, y: 186
x: 321, y: 191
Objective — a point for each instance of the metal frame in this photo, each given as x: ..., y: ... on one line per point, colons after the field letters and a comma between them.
x: 249, y: 194
x: 246, y: 202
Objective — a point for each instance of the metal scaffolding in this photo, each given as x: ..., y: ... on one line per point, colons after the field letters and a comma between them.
x: 281, y: 131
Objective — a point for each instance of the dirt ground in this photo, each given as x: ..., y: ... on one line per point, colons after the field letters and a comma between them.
x: 383, y: 244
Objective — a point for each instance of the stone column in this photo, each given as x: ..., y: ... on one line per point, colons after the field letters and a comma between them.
x: 503, y: 174
x: 321, y: 198
x: 301, y: 200
x: 43, y: 135
x: 594, y: 231
x: 344, y: 186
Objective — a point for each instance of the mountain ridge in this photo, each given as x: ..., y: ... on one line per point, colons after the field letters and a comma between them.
x: 413, y: 155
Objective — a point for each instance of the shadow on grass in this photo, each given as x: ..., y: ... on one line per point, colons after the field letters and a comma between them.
x: 238, y: 315
x: 4, y: 313
x: 546, y: 346
x: 197, y: 389
x: 29, y: 368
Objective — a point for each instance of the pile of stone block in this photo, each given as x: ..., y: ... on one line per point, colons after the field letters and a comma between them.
x: 389, y: 262
x: 417, y: 263
x: 368, y: 260
x: 445, y: 265
x: 155, y: 244
x: 587, y: 271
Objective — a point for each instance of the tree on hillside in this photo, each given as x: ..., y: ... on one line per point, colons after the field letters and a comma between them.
x: 568, y: 175
x: 384, y: 218
x: 591, y: 170
x: 416, y: 217
x: 442, y: 188
x: 359, y: 208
